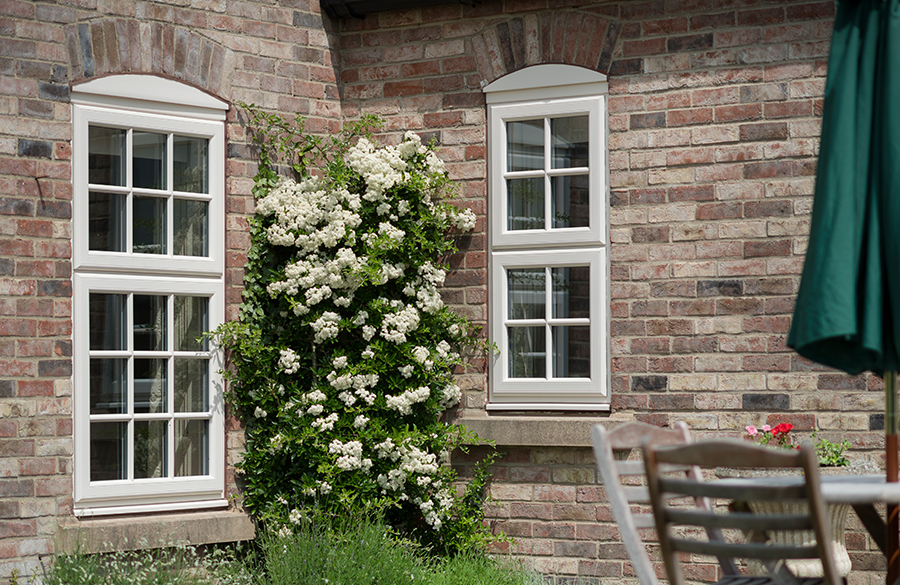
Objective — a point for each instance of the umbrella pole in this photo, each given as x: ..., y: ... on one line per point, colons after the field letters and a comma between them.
x: 893, y: 510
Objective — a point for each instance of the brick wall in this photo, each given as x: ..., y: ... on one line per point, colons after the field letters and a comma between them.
x: 713, y: 117
x: 279, y: 56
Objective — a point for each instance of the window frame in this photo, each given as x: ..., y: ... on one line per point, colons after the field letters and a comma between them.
x: 549, y: 91
x: 143, y: 102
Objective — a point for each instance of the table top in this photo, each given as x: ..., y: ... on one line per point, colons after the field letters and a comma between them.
x: 840, y: 489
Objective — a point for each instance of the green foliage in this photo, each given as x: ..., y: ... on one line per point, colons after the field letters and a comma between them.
x: 368, y: 553
x: 319, y: 551
x: 831, y: 454
x: 176, y: 565
x: 342, y: 363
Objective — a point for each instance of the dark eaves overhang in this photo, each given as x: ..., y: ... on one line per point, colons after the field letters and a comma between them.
x: 360, y: 8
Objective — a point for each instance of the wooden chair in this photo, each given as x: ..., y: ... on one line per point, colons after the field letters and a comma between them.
x: 679, y: 526
x: 627, y: 499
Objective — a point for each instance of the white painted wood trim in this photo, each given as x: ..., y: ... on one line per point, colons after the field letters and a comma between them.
x: 149, y: 93
x: 548, y: 81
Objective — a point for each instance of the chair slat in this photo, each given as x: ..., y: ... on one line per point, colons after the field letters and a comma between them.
x: 740, y: 521
x: 744, y: 550
x: 637, y: 468
x: 742, y: 492
x: 644, y: 521
x: 638, y: 494
x: 774, y: 538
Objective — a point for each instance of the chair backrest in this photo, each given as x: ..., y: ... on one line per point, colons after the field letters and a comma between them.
x: 613, y: 471
x: 680, y: 523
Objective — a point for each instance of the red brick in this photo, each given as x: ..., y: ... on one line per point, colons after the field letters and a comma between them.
x: 689, y: 117
x: 53, y: 487
x: 35, y: 388
x: 644, y: 47
x: 37, y: 467
x: 788, y: 109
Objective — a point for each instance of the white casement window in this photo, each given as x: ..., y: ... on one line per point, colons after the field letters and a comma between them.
x: 549, y: 275
x: 149, y: 247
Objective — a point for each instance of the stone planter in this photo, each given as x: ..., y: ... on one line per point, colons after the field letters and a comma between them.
x: 837, y: 515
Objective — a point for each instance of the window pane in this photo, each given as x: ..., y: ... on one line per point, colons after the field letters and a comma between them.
x: 149, y: 323
x: 191, y: 164
x: 571, y: 292
x: 191, y: 384
x: 191, y: 447
x: 150, y: 448
x: 191, y: 321
x: 525, y: 204
x: 106, y: 156
x: 149, y: 160
x: 106, y: 222
x: 570, y: 142
x: 108, y: 386
x: 149, y: 231
x: 150, y: 388
x: 572, y: 352
x: 107, y: 321
x: 109, y: 443
x: 570, y: 198
x: 525, y: 145
x: 190, y: 230
x: 527, y: 293
x: 527, y: 346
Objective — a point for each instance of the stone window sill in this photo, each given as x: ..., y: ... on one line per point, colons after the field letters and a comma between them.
x: 534, y: 431
x: 98, y: 535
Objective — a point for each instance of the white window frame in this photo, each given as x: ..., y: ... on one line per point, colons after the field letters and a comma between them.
x: 150, y: 103
x: 549, y: 91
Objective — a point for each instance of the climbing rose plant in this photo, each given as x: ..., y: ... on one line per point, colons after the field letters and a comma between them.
x: 341, y: 363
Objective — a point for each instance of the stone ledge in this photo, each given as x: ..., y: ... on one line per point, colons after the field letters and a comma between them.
x: 532, y: 431
x: 96, y: 535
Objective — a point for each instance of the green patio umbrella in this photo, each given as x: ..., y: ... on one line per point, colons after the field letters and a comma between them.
x: 848, y: 306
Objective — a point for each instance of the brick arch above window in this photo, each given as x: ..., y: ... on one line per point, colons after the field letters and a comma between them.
x: 572, y: 38
x: 109, y: 46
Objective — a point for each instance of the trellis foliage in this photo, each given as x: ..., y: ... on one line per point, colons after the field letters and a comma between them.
x: 341, y: 363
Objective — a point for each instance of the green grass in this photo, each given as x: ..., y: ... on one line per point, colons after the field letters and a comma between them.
x: 362, y: 553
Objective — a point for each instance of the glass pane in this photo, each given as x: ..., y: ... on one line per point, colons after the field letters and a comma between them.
x: 527, y: 293
x: 570, y: 142
x: 525, y: 145
x: 571, y: 292
x: 191, y: 383
x: 149, y: 160
x: 570, y: 198
x: 191, y: 164
x: 106, y: 222
x: 190, y: 230
x: 150, y: 448
x: 527, y: 346
x: 572, y: 352
x: 149, y: 225
x: 109, y: 385
x: 191, y: 321
x: 149, y: 323
x: 107, y: 321
x: 150, y: 388
x: 109, y: 443
x: 525, y: 203
x: 191, y: 447
x: 106, y: 156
